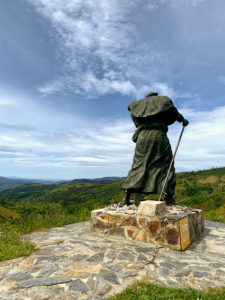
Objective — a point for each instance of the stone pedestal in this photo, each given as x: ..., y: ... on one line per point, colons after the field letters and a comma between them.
x: 174, y: 227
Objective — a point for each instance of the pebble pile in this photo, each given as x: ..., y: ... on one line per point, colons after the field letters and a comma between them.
x: 132, y: 209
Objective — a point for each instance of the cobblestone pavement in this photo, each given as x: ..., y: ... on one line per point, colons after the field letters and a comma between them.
x: 74, y: 263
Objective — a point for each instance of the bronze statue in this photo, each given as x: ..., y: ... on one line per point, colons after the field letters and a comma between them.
x: 153, y: 153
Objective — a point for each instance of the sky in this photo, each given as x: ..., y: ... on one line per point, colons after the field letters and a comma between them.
x: 70, y: 68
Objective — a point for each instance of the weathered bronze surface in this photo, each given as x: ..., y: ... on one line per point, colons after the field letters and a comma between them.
x: 153, y: 153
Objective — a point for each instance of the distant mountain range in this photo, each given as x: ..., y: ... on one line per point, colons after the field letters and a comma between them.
x: 103, y: 180
x: 10, y: 183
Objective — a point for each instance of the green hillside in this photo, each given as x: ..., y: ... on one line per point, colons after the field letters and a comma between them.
x: 7, y: 214
x: 99, y: 180
x: 201, y: 189
x: 204, y: 190
x: 34, y: 206
x: 10, y: 183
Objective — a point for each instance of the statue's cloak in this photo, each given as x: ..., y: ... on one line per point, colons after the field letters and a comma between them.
x: 151, y: 162
x: 150, y: 106
x: 153, y: 152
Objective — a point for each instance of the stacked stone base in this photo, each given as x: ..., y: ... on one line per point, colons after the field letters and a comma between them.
x: 164, y: 229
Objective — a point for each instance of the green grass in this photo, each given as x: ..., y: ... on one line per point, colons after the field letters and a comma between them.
x: 147, y: 291
x: 11, y: 245
x: 7, y: 213
x: 33, y: 217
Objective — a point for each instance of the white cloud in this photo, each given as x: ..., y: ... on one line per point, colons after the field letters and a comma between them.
x: 91, y: 84
x: 106, y: 147
x: 202, y: 145
x: 51, y: 88
x: 68, y: 148
x: 97, y: 38
x: 163, y: 89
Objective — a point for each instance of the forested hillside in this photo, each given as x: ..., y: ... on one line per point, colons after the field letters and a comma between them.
x: 34, y: 206
x: 205, y: 190
x: 10, y: 183
x: 202, y: 189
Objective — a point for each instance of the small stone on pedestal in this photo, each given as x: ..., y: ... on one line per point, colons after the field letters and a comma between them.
x: 151, y: 208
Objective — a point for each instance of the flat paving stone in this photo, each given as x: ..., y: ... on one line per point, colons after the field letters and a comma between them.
x: 42, y: 293
x: 127, y: 274
x: 43, y: 281
x: 75, y: 263
x: 125, y: 255
x: 102, y: 287
x: 109, y: 276
x: 96, y: 257
x: 201, y: 274
x: 142, y: 258
x: 46, y: 271
x: 114, y: 267
x: 20, y: 276
x: 78, y: 285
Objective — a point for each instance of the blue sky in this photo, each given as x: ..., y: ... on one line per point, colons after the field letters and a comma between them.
x: 69, y: 69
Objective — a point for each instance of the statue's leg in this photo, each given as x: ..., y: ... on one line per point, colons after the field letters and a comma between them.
x: 127, y: 197
x: 169, y: 199
x: 126, y: 200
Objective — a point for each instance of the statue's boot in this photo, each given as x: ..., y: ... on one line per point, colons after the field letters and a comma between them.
x: 169, y: 199
x: 126, y: 200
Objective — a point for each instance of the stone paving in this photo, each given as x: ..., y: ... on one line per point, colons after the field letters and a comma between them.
x: 74, y: 263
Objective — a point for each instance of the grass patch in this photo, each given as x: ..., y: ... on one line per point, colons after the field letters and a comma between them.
x: 34, y: 217
x: 147, y: 291
x: 11, y: 245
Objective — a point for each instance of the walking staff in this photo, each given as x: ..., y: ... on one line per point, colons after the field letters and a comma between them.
x: 168, y: 173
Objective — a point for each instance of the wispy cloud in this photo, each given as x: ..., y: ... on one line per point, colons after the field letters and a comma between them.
x: 51, y: 88
x: 107, y: 146
x: 104, y: 47
x: 100, y: 44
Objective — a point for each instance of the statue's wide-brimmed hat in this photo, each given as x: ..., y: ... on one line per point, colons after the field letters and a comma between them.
x: 151, y: 94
